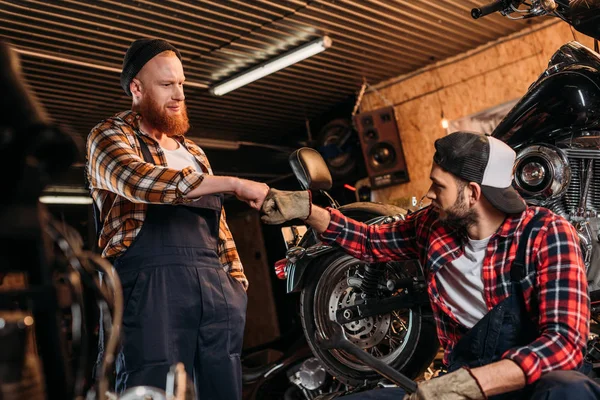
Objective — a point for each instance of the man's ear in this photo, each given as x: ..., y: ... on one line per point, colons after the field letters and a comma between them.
x: 474, y: 192
x: 135, y: 86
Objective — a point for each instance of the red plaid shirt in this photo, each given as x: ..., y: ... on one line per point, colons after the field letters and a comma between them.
x: 123, y: 184
x: 555, y: 286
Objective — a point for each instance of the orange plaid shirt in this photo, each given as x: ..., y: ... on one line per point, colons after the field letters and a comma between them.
x: 122, y: 184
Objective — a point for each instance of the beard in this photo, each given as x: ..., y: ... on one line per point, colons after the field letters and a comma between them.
x: 158, y: 118
x: 458, y: 215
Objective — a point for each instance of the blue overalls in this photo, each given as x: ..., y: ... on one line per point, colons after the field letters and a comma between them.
x: 506, y: 326
x: 180, y: 305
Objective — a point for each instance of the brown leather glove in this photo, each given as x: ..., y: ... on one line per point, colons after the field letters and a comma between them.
x: 457, y: 385
x: 280, y: 206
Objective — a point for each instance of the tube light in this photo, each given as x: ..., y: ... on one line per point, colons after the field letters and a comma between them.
x: 274, y: 65
x: 66, y: 200
x: 218, y: 144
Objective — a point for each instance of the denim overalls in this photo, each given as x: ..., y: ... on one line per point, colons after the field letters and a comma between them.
x: 180, y: 305
x: 505, y: 326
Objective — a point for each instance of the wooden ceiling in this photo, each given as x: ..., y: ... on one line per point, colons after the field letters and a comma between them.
x: 71, y: 53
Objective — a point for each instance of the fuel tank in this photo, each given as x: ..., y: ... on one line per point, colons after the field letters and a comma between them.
x: 563, y: 102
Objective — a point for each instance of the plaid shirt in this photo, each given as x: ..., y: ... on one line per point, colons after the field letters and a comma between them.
x: 555, y: 285
x: 122, y: 185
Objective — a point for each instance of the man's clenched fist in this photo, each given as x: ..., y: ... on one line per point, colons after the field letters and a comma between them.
x: 280, y: 206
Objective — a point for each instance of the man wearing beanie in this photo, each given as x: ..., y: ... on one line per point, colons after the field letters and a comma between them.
x: 161, y: 222
x: 506, y: 282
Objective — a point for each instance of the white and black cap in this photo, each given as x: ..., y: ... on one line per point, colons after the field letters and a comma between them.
x: 484, y: 160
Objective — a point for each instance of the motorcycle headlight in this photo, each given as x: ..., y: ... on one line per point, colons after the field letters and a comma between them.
x: 542, y: 174
x: 533, y: 173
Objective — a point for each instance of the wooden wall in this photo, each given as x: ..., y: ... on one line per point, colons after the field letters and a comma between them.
x: 491, y: 75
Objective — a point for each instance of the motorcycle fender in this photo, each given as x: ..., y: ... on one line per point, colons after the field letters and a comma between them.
x: 297, y: 271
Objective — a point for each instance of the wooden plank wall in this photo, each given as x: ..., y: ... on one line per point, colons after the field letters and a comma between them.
x: 491, y: 75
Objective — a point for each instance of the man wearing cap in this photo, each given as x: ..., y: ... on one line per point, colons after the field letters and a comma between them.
x: 506, y: 282
x: 161, y: 221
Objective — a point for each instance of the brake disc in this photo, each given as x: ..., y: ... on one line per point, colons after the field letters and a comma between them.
x: 366, y: 332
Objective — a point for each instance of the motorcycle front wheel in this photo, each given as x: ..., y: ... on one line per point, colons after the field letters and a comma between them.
x: 404, y: 339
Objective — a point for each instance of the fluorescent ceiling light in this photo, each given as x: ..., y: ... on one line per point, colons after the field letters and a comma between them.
x: 274, y: 65
x: 66, y: 200
x: 218, y: 144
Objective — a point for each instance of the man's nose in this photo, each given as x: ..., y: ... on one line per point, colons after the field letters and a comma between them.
x: 430, y: 194
x: 178, y: 93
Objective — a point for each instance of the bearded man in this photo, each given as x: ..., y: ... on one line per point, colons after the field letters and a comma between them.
x: 161, y: 222
x: 506, y: 282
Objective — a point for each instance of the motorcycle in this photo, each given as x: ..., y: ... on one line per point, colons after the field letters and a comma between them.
x: 555, y: 130
x: 383, y: 308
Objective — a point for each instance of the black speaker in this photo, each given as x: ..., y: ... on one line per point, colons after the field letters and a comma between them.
x: 381, y: 147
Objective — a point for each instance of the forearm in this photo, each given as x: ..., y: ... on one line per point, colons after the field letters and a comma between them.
x: 372, y: 243
x: 318, y: 219
x: 114, y: 166
x: 562, y: 304
x: 500, y: 377
x: 214, y: 184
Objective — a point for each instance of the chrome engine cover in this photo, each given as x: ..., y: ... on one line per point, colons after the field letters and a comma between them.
x: 580, y: 203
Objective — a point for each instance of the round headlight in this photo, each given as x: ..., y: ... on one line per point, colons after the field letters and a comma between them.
x: 533, y: 173
x: 542, y: 174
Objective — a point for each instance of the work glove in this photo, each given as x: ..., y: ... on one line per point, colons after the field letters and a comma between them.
x: 280, y: 206
x: 457, y: 385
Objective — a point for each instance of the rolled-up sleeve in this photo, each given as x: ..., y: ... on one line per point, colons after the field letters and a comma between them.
x: 562, y: 294
x: 115, y: 166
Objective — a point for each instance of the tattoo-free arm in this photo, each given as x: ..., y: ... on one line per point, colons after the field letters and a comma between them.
x: 402, y: 240
x: 318, y: 219
x: 500, y: 377
x: 251, y: 192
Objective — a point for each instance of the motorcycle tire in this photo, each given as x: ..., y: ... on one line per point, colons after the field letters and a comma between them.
x: 420, y: 344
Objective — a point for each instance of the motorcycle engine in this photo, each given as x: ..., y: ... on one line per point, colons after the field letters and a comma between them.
x: 566, y: 179
x: 310, y: 377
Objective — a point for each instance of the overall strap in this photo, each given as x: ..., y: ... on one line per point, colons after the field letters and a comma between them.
x: 97, y: 221
x: 517, y: 270
x: 145, y: 151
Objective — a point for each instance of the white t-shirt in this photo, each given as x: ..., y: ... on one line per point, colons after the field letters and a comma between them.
x: 462, y: 281
x: 181, y: 158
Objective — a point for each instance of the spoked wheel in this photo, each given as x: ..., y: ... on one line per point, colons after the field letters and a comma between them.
x: 393, y: 338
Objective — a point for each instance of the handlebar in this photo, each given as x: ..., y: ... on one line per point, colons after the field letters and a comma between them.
x: 488, y: 9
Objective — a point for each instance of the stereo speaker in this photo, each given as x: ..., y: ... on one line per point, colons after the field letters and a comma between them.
x: 381, y: 147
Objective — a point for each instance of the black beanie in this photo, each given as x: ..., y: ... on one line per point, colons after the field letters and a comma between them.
x: 139, y: 53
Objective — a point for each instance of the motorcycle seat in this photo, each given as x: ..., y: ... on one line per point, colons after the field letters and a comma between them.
x: 310, y: 169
